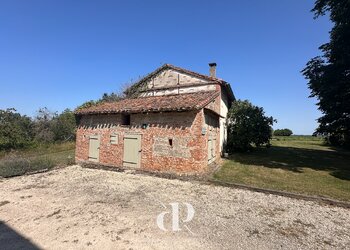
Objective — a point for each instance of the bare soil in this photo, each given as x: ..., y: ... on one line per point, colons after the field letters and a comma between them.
x: 79, y: 208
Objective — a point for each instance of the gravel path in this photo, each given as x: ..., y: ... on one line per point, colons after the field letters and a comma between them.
x: 83, y: 208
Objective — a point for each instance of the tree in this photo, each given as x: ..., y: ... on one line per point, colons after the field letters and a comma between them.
x: 247, y: 125
x: 329, y: 75
x: 43, y: 125
x: 87, y: 104
x: 19, y: 131
x: 64, y: 125
x: 283, y: 132
x: 16, y: 131
x: 112, y: 97
x: 126, y: 90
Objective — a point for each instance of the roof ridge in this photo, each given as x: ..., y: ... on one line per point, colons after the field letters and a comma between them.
x: 193, y: 72
x: 171, y: 66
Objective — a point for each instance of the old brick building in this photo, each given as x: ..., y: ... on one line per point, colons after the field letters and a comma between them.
x: 176, y: 123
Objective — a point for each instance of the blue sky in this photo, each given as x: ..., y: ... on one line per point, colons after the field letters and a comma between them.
x: 59, y: 54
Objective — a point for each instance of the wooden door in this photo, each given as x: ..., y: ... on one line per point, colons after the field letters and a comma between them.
x: 132, y: 151
x: 94, y: 148
x: 211, y: 149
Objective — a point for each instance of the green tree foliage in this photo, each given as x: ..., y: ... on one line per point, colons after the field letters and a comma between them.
x: 247, y: 125
x: 283, y: 132
x: 64, y: 126
x: 87, y: 104
x: 16, y: 131
x: 112, y: 97
x: 329, y: 75
x: 128, y: 90
x: 53, y: 127
x: 19, y: 131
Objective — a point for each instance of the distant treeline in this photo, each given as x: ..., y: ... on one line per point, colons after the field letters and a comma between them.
x: 283, y: 132
x: 20, y: 131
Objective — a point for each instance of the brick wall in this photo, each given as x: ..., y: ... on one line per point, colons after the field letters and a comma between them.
x: 188, y: 152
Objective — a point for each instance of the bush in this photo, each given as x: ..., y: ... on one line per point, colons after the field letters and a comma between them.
x: 247, y: 126
x: 283, y: 132
x: 41, y: 164
x: 15, y: 165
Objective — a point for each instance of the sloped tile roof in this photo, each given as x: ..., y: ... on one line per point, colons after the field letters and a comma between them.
x: 180, y: 102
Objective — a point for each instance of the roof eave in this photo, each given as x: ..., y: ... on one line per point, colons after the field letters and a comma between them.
x: 137, y: 111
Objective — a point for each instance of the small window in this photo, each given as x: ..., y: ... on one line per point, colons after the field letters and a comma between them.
x: 170, y: 142
x: 113, y: 139
x: 125, y: 119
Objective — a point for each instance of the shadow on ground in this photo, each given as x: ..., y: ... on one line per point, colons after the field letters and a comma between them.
x: 337, y: 162
x: 11, y: 239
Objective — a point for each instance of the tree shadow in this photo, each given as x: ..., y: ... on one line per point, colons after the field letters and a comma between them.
x: 11, y: 239
x: 335, y: 161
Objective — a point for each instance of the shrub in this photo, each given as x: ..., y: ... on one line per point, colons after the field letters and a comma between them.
x: 283, y: 132
x: 41, y: 164
x: 15, y: 165
x: 247, y: 126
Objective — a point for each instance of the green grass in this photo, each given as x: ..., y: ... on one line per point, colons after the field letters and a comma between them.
x: 301, y: 164
x: 40, y: 158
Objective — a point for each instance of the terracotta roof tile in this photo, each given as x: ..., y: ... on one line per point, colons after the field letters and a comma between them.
x: 180, y: 102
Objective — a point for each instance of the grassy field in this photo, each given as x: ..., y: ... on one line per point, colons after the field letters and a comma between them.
x: 301, y: 164
x: 39, y: 158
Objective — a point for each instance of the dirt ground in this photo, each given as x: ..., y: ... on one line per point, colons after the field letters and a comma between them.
x: 79, y: 208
